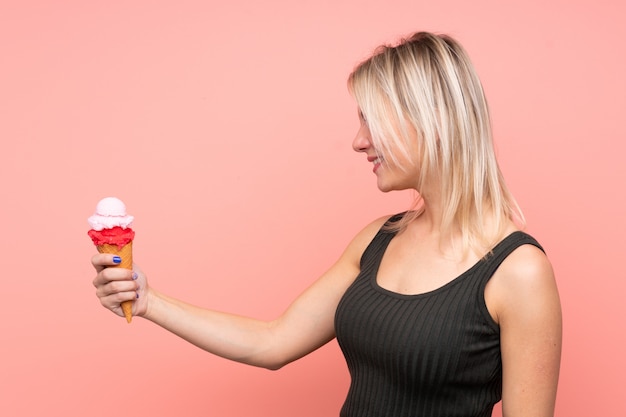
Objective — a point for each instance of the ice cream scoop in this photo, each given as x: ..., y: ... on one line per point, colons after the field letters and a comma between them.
x: 110, y: 212
x: 111, y: 233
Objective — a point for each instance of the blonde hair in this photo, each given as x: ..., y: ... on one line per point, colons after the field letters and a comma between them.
x: 427, y: 84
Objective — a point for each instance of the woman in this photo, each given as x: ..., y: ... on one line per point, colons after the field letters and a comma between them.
x: 440, y: 311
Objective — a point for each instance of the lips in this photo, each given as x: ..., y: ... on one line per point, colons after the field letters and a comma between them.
x: 377, y: 161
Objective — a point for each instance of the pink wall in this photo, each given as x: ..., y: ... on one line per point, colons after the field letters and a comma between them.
x: 226, y: 128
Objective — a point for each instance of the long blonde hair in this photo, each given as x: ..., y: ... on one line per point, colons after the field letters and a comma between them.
x: 427, y: 83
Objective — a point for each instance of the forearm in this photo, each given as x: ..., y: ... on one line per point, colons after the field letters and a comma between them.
x: 233, y: 337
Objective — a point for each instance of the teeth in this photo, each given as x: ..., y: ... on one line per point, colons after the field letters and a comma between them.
x: 376, y: 161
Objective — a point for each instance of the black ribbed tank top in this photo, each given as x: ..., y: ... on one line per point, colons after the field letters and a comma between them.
x: 435, y: 354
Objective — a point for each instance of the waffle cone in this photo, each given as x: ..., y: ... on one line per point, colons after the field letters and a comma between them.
x: 126, y: 253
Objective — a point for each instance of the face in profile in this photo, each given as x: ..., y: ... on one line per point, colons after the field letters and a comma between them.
x: 394, y: 169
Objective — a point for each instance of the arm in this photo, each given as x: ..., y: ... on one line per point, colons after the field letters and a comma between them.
x: 307, y: 324
x: 526, y: 303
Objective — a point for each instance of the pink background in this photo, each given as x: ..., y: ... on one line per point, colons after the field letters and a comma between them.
x: 226, y: 127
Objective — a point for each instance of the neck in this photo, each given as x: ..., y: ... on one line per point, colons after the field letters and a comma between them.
x: 430, y: 223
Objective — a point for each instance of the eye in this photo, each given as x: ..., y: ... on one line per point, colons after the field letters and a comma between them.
x: 362, y: 116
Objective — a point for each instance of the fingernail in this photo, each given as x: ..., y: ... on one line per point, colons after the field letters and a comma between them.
x: 117, y: 259
x: 134, y: 275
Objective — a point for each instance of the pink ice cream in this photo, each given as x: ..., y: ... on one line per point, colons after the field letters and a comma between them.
x: 110, y: 224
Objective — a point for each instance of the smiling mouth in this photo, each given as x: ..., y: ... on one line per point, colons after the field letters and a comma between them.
x: 377, y: 163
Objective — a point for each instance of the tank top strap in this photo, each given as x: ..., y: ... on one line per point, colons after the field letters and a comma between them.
x: 504, y: 248
x: 376, y: 248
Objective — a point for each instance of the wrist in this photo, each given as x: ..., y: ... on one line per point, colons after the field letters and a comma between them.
x: 151, y: 299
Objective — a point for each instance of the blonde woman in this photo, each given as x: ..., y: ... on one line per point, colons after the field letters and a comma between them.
x: 441, y: 311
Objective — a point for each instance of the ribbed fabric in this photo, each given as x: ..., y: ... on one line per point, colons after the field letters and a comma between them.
x: 435, y: 354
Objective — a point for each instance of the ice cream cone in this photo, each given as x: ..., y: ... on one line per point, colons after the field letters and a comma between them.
x: 111, y: 233
x: 126, y: 253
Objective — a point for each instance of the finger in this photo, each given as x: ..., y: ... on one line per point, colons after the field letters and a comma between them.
x: 108, y: 275
x: 113, y: 302
x: 103, y: 260
x: 137, y: 269
x: 115, y: 288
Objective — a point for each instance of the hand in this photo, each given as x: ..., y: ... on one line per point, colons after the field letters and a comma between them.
x: 115, y: 285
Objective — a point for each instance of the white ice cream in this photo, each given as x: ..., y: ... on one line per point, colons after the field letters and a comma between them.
x: 110, y: 212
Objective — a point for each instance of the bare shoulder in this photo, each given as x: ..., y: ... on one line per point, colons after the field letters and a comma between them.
x: 343, y: 272
x: 526, y: 265
x: 360, y: 242
x: 523, y: 281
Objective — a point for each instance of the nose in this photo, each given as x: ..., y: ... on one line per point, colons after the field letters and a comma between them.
x: 362, y: 141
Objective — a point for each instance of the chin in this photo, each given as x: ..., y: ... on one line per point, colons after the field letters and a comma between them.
x: 385, y: 188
